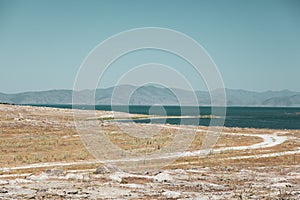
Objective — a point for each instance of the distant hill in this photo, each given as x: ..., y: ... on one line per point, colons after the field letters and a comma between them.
x: 149, y: 95
x: 293, y: 100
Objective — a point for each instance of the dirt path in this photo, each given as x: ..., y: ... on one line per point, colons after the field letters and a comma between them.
x: 269, y: 140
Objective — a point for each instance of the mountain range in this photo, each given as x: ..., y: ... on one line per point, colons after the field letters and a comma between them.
x: 150, y: 95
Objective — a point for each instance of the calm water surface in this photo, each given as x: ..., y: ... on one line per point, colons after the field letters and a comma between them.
x: 252, y: 117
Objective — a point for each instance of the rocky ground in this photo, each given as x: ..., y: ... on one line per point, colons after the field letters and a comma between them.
x: 42, y: 157
x: 107, y: 182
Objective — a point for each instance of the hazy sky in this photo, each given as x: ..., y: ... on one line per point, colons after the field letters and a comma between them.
x: 255, y: 44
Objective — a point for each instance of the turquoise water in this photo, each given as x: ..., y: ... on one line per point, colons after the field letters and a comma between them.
x: 251, y: 117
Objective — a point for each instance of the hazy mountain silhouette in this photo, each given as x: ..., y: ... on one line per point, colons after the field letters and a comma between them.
x: 149, y: 95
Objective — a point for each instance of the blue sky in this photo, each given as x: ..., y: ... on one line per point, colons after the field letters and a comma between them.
x: 255, y: 44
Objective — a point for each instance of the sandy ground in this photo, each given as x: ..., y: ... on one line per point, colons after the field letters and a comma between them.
x: 42, y: 157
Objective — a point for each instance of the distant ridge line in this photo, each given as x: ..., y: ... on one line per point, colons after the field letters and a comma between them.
x: 150, y: 95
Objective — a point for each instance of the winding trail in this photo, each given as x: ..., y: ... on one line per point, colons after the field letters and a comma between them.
x: 269, y: 140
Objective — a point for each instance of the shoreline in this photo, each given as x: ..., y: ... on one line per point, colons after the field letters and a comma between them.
x: 232, y: 123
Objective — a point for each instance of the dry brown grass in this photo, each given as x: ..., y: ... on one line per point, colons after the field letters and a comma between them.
x: 165, y: 135
x: 49, y: 135
x: 38, y: 137
x: 142, y: 145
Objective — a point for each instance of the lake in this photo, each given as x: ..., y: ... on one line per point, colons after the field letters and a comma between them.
x: 251, y: 117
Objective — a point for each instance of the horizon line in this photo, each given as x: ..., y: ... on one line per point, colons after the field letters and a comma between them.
x: 104, y: 88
